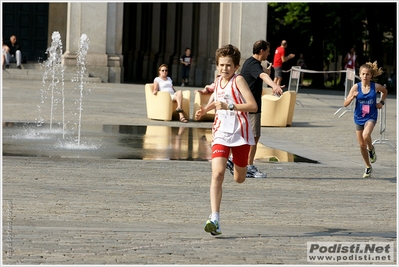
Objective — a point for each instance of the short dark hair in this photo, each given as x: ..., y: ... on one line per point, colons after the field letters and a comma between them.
x: 258, y: 45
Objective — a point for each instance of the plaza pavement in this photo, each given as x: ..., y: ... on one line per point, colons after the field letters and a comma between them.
x: 59, y: 211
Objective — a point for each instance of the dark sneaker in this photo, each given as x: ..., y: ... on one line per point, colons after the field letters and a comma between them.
x: 230, y: 166
x: 367, y: 172
x: 373, y: 156
x: 18, y: 67
x: 216, y: 232
x: 7, y: 66
x: 253, y: 172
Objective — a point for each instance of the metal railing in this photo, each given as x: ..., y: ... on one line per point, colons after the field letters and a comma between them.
x: 349, y: 82
x: 383, y: 125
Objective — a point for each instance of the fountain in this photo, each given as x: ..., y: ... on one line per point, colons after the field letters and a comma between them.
x: 54, y: 86
x: 55, y: 72
x: 81, y: 64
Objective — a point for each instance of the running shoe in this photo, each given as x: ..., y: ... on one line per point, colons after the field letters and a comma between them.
x: 253, y: 172
x: 373, y: 156
x: 230, y: 166
x: 367, y: 172
x: 212, y: 227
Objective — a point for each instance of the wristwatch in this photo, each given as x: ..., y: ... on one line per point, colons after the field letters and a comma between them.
x: 231, y: 106
x: 382, y: 102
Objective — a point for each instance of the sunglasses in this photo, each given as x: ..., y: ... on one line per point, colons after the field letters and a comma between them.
x: 164, y: 70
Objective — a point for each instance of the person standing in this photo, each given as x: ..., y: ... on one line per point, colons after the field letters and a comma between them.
x: 302, y: 64
x: 14, y: 54
x: 279, y: 59
x: 186, y: 59
x: 350, y: 59
x: 366, y: 110
x: 255, y: 74
x: 231, y: 128
x: 350, y: 62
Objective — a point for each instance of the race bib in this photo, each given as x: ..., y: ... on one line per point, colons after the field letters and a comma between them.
x: 228, y: 120
x: 365, y: 110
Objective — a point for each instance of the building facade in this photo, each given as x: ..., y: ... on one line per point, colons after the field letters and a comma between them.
x: 128, y: 41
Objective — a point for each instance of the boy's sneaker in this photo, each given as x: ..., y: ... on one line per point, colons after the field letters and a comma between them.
x: 367, y: 172
x: 253, y: 172
x: 212, y: 227
x: 373, y: 156
x: 216, y: 232
x: 230, y: 166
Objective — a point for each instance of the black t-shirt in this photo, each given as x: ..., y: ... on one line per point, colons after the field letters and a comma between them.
x: 251, y: 70
x: 186, y: 59
x: 14, y: 48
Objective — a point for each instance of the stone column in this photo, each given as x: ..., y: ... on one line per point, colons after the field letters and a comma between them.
x: 242, y: 24
x: 186, y: 41
x: 114, y: 42
x: 171, y: 53
x: 90, y: 19
x: 57, y: 21
x: 207, y: 43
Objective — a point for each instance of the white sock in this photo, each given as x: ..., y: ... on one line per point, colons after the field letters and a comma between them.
x: 215, y: 216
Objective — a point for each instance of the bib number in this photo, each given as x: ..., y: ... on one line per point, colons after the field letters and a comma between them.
x: 228, y: 121
x: 365, y: 110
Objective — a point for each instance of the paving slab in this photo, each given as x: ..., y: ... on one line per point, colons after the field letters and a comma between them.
x: 91, y: 211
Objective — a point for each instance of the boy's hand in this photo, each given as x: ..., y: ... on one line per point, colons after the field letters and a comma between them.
x: 199, y: 113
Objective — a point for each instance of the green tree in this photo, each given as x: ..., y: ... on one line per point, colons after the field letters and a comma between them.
x: 325, y: 31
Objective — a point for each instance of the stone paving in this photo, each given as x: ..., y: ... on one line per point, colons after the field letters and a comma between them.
x: 59, y: 211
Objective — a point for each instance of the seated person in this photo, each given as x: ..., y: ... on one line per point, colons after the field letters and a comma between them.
x: 165, y: 83
x: 5, y: 49
x: 14, y: 54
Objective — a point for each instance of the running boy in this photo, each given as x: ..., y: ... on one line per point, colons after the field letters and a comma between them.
x: 231, y: 128
x: 366, y: 110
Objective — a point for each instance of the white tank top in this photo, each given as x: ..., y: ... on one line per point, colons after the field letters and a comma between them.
x: 239, y: 131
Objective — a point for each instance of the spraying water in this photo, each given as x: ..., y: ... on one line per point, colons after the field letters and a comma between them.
x: 81, y: 65
x: 54, y: 72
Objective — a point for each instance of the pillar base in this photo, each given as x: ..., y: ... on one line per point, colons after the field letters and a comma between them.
x: 108, y: 68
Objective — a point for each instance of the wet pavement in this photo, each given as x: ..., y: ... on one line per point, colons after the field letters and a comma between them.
x: 121, y: 142
x: 91, y: 209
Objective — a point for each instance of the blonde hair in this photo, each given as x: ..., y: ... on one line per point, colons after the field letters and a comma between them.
x: 373, y: 68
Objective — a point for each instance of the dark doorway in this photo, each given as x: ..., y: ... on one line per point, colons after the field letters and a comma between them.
x: 29, y: 22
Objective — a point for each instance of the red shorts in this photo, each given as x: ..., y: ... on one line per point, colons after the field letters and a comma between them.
x: 240, y: 153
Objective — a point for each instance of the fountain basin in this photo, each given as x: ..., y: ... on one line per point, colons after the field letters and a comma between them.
x: 121, y: 142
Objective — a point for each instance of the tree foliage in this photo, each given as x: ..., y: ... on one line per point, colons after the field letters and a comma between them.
x: 324, y: 32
